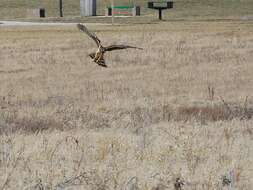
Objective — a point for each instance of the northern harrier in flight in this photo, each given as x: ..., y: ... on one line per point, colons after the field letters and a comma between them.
x: 98, y: 56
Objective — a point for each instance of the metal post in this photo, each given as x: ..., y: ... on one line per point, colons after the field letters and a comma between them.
x: 60, y: 8
x: 160, y: 14
x: 112, y: 6
x: 94, y: 8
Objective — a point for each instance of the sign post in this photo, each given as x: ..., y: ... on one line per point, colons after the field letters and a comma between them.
x: 160, y: 6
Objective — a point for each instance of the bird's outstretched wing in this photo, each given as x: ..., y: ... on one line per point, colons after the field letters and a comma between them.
x: 90, y: 34
x: 118, y: 47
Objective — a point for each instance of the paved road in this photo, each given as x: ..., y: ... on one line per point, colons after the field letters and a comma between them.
x: 19, y: 23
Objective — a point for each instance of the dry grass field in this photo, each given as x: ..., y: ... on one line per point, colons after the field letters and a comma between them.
x: 182, y: 107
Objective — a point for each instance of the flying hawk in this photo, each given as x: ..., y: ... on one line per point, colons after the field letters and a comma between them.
x: 98, y: 56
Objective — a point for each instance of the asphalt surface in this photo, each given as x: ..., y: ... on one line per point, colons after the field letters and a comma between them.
x: 19, y: 23
x: 22, y: 23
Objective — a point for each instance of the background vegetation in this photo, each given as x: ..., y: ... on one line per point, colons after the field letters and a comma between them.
x: 198, y: 9
x: 182, y: 107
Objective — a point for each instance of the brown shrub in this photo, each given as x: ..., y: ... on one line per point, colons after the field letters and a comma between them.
x: 213, y: 113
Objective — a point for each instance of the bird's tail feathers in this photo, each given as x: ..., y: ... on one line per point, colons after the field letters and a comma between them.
x: 92, y: 55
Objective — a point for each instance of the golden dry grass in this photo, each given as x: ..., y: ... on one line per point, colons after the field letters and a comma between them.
x: 109, y: 158
x: 182, y: 107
